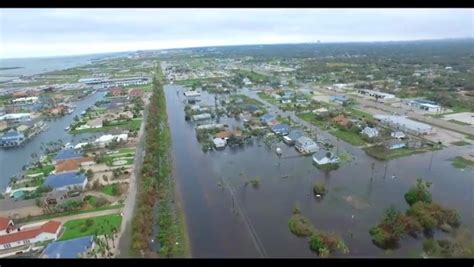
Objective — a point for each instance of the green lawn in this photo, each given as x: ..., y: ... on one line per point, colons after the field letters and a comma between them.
x: 100, y: 225
x: 110, y: 190
x: 311, y: 118
x: 45, y: 170
x: 462, y: 163
x: 268, y: 98
x: 359, y: 114
x: 458, y: 122
x: 348, y: 136
x: 31, y: 183
x: 284, y: 120
x: 381, y: 153
x: 133, y: 124
x: 460, y: 143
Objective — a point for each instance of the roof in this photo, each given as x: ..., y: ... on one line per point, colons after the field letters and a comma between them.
x: 281, y: 127
x: 11, y: 134
x: 71, y: 164
x: 267, y: 116
x: 403, y: 121
x: 51, y: 227
x: 67, y: 154
x: 64, y: 179
x: 4, y: 222
x: 68, y: 249
x: 295, y: 134
x: 306, y: 141
x: 339, y: 98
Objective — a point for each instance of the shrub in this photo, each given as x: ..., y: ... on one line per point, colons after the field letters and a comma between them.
x: 418, y: 192
x: 319, y: 189
x: 380, y: 236
x: 316, y: 243
x: 89, y: 222
x: 300, y: 225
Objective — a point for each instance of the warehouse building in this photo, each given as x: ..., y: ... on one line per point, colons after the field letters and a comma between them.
x: 402, y: 123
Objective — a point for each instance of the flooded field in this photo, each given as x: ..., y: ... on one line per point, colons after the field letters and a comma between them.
x: 226, y: 218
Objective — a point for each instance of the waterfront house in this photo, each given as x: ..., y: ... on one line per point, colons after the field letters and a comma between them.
x: 66, y: 181
x: 72, y: 164
x: 192, y: 93
x: 292, y: 136
x: 281, y: 129
x: 65, y: 154
x: 22, y: 238
x: 306, y: 145
x: 394, y: 144
x: 12, y: 139
x: 219, y: 143
x: 69, y: 249
x: 324, y: 157
x: 106, y: 139
x: 370, y: 132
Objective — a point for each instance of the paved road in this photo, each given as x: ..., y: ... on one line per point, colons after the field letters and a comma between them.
x: 125, y: 233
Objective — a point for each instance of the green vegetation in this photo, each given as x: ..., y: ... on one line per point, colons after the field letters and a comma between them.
x: 96, y: 225
x: 459, y: 245
x: 325, y: 243
x: 268, y: 98
x: 319, y: 189
x: 33, y: 182
x: 111, y: 190
x: 311, y: 118
x: 460, y: 143
x: 419, y: 192
x: 131, y: 125
x: 359, y: 114
x: 45, y: 170
x: 459, y: 122
x: 300, y: 225
x: 382, y: 153
x: 462, y: 163
x: 156, y: 187
x: 350, y: 137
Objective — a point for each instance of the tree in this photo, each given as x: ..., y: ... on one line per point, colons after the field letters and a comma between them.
x: 419, y: 192
x: 89, y: 174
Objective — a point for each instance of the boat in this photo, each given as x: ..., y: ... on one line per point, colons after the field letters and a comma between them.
x: 66, y: 129
x: 278, y: 151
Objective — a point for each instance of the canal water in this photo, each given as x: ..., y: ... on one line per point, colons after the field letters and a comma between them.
x: 12, y: 160
x: 225, y: 218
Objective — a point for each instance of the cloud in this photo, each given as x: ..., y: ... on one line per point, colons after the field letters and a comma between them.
x: 45, y: 32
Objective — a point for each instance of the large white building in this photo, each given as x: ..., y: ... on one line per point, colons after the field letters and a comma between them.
x: 404, y: 124
x: 375, y: 94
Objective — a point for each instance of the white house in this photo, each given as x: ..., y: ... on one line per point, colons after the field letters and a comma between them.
x: 192, y: 93
x: 370, y: 132
x: 398, y: 135
x: 219, y: 143
x: 24, y: 236
x: 306, y: 145
x: 323, y: 160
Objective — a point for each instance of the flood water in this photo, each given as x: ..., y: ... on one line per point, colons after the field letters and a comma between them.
x: 12, y: 160
x: 235, y: 220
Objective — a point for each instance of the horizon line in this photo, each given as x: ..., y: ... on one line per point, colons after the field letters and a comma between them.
x: 231, y: 45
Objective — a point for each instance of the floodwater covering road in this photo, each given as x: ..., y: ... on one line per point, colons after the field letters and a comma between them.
x: 225, y: 218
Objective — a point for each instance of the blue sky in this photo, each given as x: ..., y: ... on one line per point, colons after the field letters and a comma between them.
x: 52, y: 32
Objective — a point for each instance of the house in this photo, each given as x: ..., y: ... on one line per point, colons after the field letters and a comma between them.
x: 370, y: 132
x: 398, y: 135
x: 342, y: 120
x: 69, y: 249
x: 12, y: 139
x: 23, y: 237
x: 108, y: 138
x: 285, y: 101
x: 192, y: 93
x: 66, y: 180
x: 265, y: 119
x: 292, y: 136
x: 394, y: 144
x: 306, y: 145
x: 210, y: 126
x: 323, y: 157
x: 25, y: 100
x: 246, y: 81
x: 15, y: 117
x: 320, y: 111
x: 219, y: 143
x: 135, y: 93
x: 65, y: 154
x: 276, y: 96
x: 203, y: 116
x: 250, y: 108
x: 342, y: 100
x: 281, y: 129
x: 71, y: 164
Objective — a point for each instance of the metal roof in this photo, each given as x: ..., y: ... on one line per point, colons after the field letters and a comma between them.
x: 65, y: 179
x: 68, y: 249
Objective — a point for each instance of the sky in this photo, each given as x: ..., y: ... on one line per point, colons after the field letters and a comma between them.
x: 57, y: 32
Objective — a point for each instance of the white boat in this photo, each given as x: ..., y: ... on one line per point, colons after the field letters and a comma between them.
x: 66, y: 129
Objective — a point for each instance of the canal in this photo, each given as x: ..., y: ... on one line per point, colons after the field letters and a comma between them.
x: 225, y: 218
x: 12, y: 160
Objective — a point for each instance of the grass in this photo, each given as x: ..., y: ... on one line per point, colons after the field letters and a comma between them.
x: 460, y: 143
x: 248, y: 101
x: 381, y: 153
x: 461, y: 163
x: 268, y: 98
x: 310, y: 117
x: 459, y: 122
x: 359, y: 114
x: 45, y: 170
x: 101, y: 225
x: 68, y: 213
x: 349, y: 137
x: 32, y: 183
x: 110, y: 190
x: 470, y: 136
x: 133, y: 124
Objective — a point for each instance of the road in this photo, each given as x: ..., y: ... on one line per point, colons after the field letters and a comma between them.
x: 125, y: 234
x: 83, y: 215
x: 410, y: 114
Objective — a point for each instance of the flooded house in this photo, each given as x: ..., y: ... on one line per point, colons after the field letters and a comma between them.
x: 290, y: 139
x: 12, y: 139
x: 306, y: 145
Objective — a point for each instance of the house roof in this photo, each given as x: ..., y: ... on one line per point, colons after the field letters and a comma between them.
x: 11, y: 134
x: 67, y: 154
x: 281, y: 127
x: 267, y: 117
x: 64, y: 179
x: 51, y: 227
x: 71, y: 164
x: 295, y: 134
x: 68, y: 249
x: 4, y: 222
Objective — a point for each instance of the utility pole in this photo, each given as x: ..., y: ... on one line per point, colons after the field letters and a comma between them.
x: 372, y: 172
x: 385, y: 172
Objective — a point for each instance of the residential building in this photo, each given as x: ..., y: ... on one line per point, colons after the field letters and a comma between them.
x: 219, y: 143
x: 370, y: 132
x: 12, y: 139
x: 425, y: 105
x: 71, y: 164
x: 21, y: 238
x: 69, y: 249
x: 339, y: 99
x: 25, y: 100
x: 320, y: 111
x: 394, y: 144
x: 281, y: 129
x: 192, y: 93
x: 404, y: 124
x: 398, y: 135
x: 267, y: 118
x: 66, y: 181
x: 67, y: 153
x: 292, y: 136
x: 15, y: 117
x: 306, y: 145
x: 108, y: 138
x: 203, y: 116
x: 210, y: 126
x: 323, y: 157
